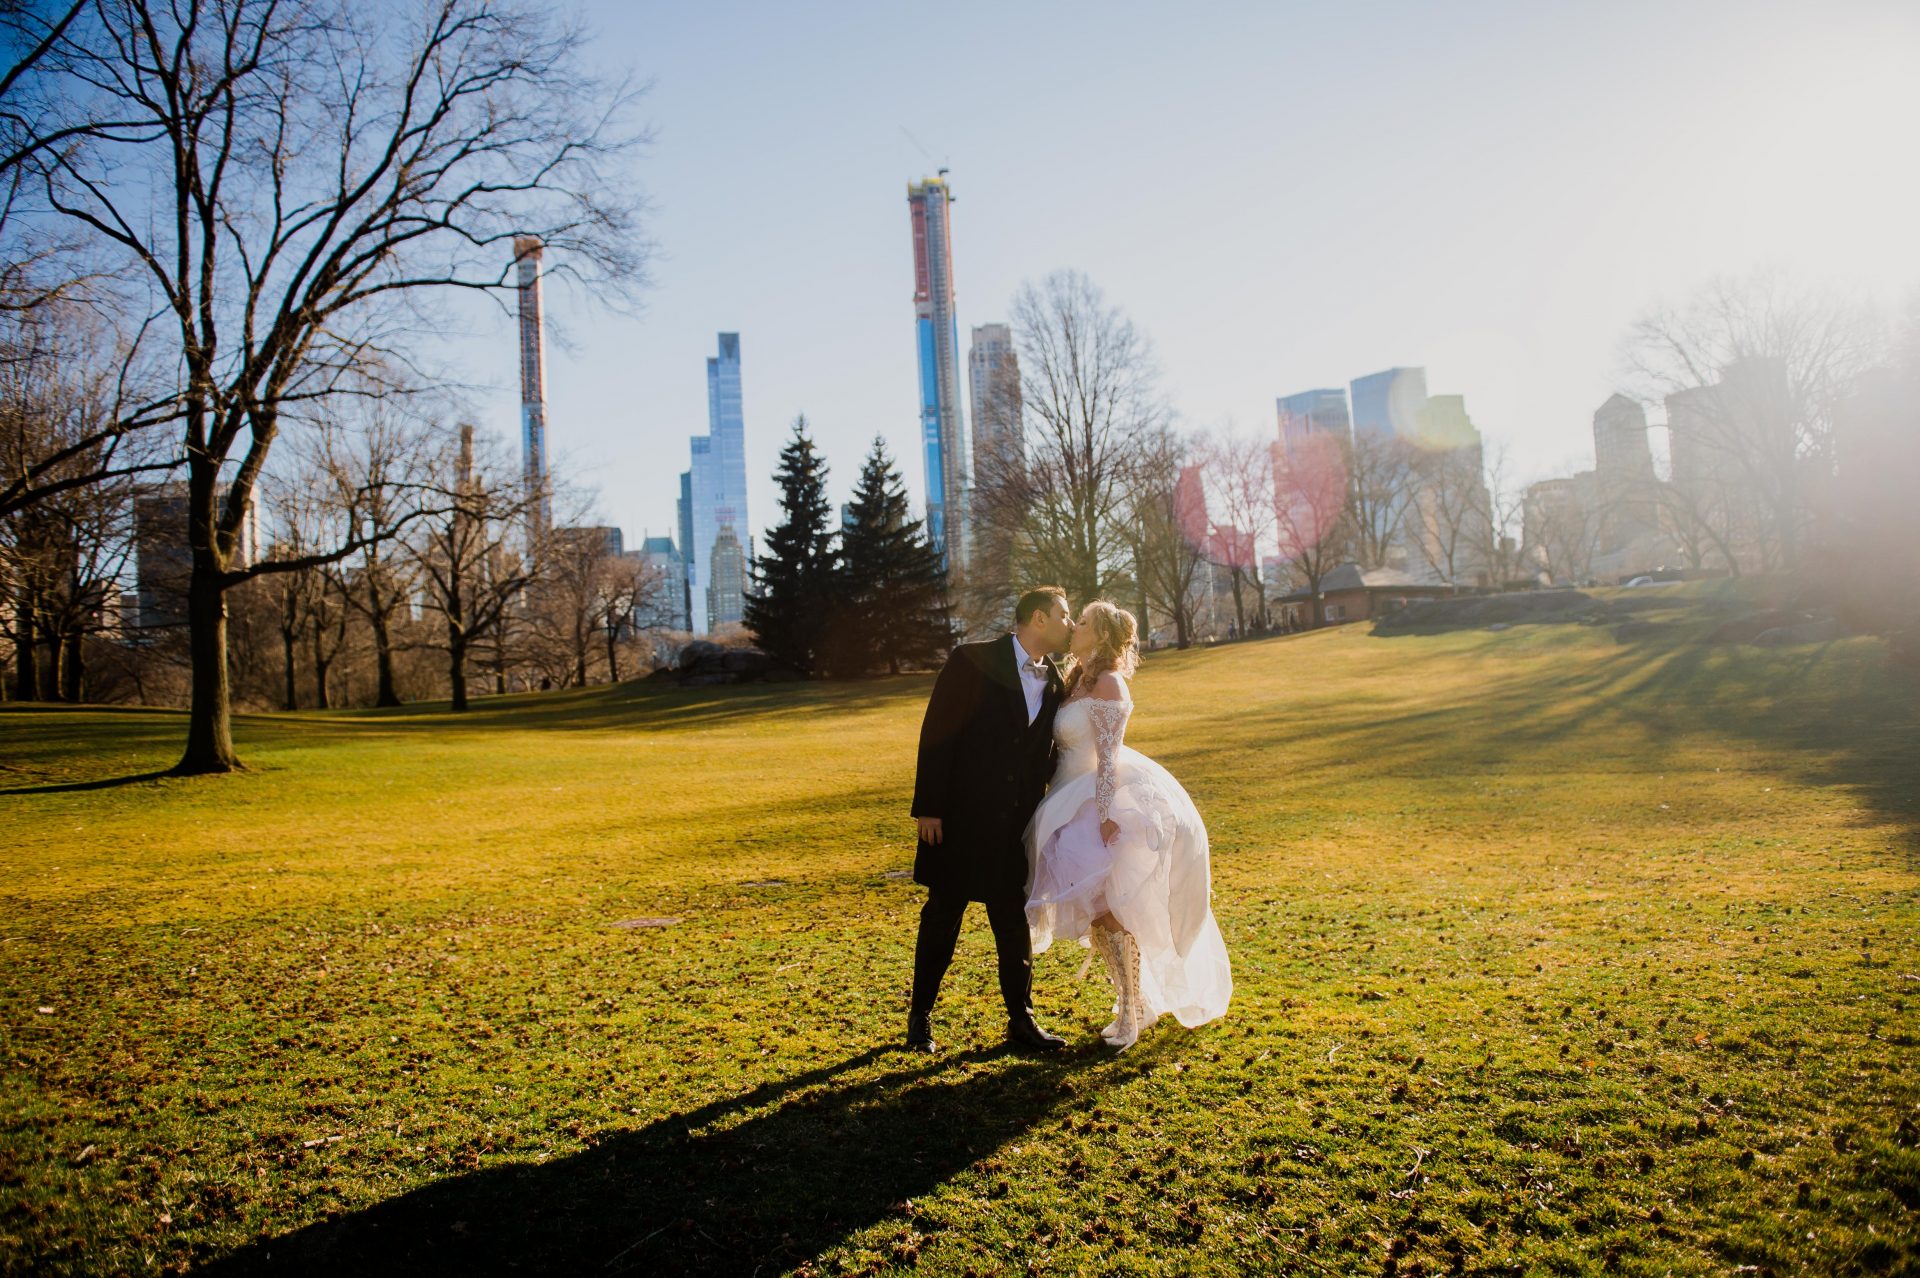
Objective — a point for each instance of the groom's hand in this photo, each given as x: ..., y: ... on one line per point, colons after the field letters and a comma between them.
x: 930, y: 830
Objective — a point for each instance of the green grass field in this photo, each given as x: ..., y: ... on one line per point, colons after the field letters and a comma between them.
x: 1557, y: 950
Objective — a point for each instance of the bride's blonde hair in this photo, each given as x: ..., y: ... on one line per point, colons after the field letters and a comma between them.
x: 1116, y: 643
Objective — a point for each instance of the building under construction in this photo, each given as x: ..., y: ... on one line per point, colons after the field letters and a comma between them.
x: 533, y: 378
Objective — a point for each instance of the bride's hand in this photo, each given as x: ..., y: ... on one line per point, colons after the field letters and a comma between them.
x: 1109, y: 831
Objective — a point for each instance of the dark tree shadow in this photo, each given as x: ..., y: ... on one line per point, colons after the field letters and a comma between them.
x: 722, y: 1189
x: 102, y: 783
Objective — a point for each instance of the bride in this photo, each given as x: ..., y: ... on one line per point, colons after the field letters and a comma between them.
x: 1117, y: 853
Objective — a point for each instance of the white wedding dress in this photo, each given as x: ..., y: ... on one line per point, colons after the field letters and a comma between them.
x: 1153, y: 878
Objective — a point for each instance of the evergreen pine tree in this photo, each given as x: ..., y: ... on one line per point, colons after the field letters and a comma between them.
x: 891, y: 609
x: 793, y: 582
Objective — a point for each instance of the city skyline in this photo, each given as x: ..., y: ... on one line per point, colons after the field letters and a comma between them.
x: 1507, y: 250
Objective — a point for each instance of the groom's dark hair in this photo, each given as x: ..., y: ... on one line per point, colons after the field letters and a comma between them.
x: 1039, y: 599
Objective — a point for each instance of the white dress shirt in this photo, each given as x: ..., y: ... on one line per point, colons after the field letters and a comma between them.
x: 1033, y: 683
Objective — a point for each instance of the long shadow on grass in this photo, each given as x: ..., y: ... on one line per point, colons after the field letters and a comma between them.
x: 74, y: 787
x: 656, y: 707
x: 1837, y: 715
x: 756, y: 1183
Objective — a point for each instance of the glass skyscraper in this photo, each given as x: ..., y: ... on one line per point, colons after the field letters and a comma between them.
x: 1311, y: 411
x: 1387, y: 404
x: 714, y: 495
x: 942, y: 430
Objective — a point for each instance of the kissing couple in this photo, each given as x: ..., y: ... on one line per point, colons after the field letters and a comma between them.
x: 1028, y: 802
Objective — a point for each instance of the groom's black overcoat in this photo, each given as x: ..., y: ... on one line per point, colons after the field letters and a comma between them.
x: 983, y: 770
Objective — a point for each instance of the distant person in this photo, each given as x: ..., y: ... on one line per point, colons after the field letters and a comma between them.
x: 1119, y: 852
x: 986, y: 751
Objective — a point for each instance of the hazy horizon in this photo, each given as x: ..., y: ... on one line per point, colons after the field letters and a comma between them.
x: 1282, y: 197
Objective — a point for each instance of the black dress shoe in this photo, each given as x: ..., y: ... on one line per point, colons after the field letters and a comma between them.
x: 920, y: 1032
x: 1023, y: 1031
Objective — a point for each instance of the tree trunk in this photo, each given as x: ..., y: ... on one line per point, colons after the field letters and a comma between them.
x: 457, y: 667
x: 384, y: 693
x: 54, y: 684
x: 26, y: 660
x: 74, y: 673
x: 210, y: 710
x: 613, y: 655
x: 292, y: 701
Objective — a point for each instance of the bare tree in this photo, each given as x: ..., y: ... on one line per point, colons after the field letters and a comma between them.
x: 326, y: 632
x: 286, y: 176
x: 628, y: 589
x: 1380, y: 484
x: 1088, y: 396
x: 292, y: 593
x: 1451, y: 506
x: 63, y: 552
x: 374, y: 469
x: 1311, y: 509
x: 468, y: 553
x: 566, y: 600
x: 28, y: 33
x: 1563, y: 519
x: 1166, y: 555
x: 61, y: 562
x: 1698, y: 513
x: 1240, y: 478
x: 1751, y: 370
x: 1498, y: 522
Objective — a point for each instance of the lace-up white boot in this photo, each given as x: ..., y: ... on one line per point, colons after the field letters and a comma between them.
x: 1125, y: 1030
x: 1106, y: 942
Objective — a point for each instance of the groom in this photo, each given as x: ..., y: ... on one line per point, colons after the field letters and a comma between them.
x: 986, y: 754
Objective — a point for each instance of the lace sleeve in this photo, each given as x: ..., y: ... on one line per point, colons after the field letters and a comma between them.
x: 1109, y: 726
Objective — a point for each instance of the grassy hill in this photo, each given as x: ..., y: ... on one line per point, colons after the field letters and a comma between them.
x: 1563, y: 949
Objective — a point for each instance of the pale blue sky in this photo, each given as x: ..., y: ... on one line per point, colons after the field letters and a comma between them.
x: 1283, y: 196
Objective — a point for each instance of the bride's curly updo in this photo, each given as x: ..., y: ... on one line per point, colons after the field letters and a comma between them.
x: 1116, y: 642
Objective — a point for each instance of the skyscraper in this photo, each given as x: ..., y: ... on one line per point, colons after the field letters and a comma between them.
x: 1620, y: 447
x: 1305, y: 413
x: 1451, y: 518
x: 993, y: 369
x: 1623, y: 472
x: 163, y: 561
x: 664, y: 607
x: 683, y: 510
x: 942, y: 431
x: 533, y: 376
x: 1441, y: 425
x: 727, y: 581
x: 714, y: 496
x: 1387, y: 404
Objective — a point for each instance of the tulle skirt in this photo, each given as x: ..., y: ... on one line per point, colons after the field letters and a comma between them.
x: 1153, y: 878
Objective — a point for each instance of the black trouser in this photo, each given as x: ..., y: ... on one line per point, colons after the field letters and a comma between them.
x: 940, y: 920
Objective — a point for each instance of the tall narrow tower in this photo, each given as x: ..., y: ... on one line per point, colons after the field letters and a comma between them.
x: 533, y: 377
x: 714, y: 489
x: 942, y: 431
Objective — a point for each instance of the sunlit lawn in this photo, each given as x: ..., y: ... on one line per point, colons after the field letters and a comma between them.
x: 1555, y: 952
